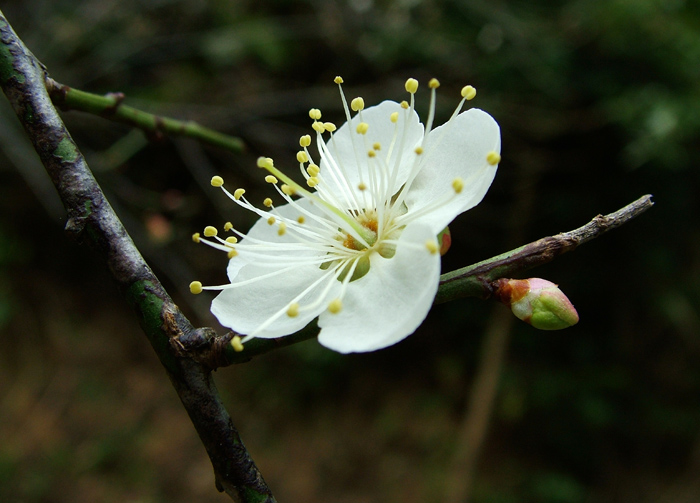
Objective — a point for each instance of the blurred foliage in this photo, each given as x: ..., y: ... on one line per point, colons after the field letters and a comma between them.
x: 598, y: 103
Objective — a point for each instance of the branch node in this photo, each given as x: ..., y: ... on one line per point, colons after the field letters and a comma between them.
x: 118, y: 99
x: 74, y: 226
x: 156, y: 135
x: 204, y: 346
x: 194, y: 340
x: 58, y: 92
x: 489, y: 287
x: 497, y: 288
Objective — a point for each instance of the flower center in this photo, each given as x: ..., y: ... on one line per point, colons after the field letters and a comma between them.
x: 383, y: 243
x: 369, y: 226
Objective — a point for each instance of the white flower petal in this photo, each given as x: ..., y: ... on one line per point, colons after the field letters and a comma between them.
x: 390, y: 301
x: 263, y: 231
x: 455, y: 149
x: 349, y: 149
x: 245, y: 309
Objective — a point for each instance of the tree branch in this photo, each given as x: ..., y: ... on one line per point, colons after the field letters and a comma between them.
x: 475, y: 280
x: 90, y: 218
x: 110, y: 106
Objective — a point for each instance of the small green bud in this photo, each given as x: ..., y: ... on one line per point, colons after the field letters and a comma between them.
x: 538, y: 302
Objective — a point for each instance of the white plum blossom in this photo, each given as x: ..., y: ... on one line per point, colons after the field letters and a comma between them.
x: 356, y: 247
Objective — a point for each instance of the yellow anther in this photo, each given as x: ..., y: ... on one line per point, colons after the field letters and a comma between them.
x: 231, y: 253
x: 493, y: 158
x: 329, y: 126
x: 236, y: 343
x: 335, y: 306
x: 468, y: 92
x: 371, y: 153
x: 362, y: 186
x: 282, y: 229
x: 217, y: 181
x: 238, y: 193
x: 312, y: 182
x: 338, y: 80
x: 318, y: 127
x: 357, y: 104
x: 271, y: 220
x: 418, y: 150
x: 433, y: 84
x: 228, y: 226
x: 268, y: 202
x: 301, y: 219
x: 394, y: 117
x: 404, y: 105
x: 210, y: 231
x: 432, y: 246
x: 458, y: 185
x: 313, y: 170
x: 411, y: 86
x: 302, y: 156
x: 377, y: 146
x: 305, y: 140
x: 271, y: 179
x: 286, y: 189
x: 315, y: 114
x: 196, y: 287
x: 293, y: 310
x: 232, y: 240
x: 362, y: 128
x: 195, y: 237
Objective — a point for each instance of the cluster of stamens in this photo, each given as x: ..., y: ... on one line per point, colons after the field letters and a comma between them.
x: 348, y: 222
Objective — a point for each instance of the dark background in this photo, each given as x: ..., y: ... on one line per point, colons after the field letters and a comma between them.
x: 599, y: 104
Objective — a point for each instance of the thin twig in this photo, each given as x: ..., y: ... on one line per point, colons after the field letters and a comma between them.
x: 90, y: 218
x: 475, y: 280
x: 111, y: 106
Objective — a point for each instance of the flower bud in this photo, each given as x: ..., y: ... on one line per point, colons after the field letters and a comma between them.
x: 538, y: 302
x: 444, y: 240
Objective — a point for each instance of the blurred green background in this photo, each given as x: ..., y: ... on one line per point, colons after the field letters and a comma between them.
x: 599, y: 103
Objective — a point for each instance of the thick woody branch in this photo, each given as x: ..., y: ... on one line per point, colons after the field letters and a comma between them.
x: 111, y: 106
x: 91, y: 219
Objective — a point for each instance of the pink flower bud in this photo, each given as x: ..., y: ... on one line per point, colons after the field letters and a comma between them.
x: 445, y: 240
x: 538, y: 302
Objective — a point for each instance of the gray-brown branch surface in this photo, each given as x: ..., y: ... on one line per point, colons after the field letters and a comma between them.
x: 91, y: 219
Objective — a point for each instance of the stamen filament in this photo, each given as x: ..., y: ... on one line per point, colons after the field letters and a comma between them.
x: 330, y: 274
x: 347, y: 223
